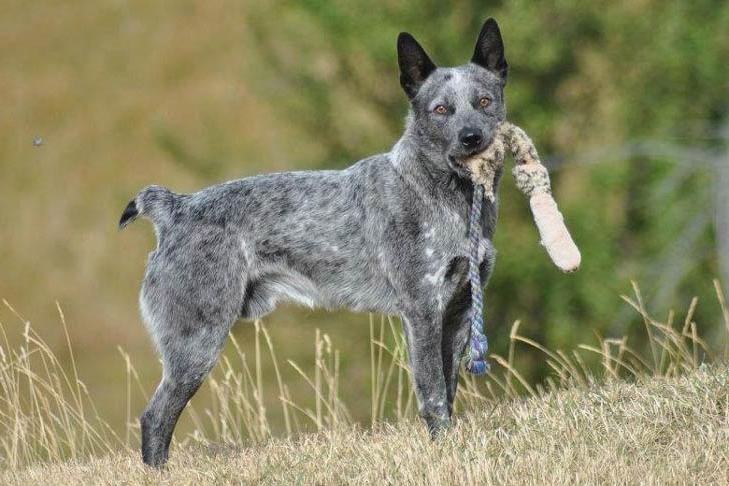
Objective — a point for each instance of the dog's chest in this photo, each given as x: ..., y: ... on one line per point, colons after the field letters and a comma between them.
x: 445, y: 233
x: 446, y: 246
x: 444, y: 237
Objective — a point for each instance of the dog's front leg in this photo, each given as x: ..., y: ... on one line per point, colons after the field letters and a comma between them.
x: 423, y: 335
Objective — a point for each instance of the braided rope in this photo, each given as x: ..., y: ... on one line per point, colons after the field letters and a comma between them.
x: 476, y: 362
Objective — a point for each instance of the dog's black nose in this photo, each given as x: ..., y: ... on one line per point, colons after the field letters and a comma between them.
x: 470, y: 137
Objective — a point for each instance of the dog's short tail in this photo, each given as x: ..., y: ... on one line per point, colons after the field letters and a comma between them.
x: 153, y: 202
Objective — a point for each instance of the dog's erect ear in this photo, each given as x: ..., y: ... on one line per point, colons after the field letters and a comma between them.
x: 489, y: 52
x: 415, y: 65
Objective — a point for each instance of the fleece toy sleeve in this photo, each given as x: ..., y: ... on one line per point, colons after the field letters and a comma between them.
x: 532, y: 179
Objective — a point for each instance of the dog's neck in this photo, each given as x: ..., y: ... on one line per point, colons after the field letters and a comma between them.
x: 427, y: 176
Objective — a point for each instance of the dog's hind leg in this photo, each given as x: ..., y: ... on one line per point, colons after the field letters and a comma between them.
x: 187, y: 359
x: 189, y: 343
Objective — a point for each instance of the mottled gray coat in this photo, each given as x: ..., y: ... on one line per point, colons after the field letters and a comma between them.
x: 386, y: 235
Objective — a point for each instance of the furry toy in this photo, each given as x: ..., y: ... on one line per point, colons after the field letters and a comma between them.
x: 532, y: 179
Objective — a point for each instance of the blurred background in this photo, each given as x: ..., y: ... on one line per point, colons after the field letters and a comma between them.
x: 627, y: 101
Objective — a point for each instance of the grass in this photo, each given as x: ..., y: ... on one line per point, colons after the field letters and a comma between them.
x: 668, y: 430
x: 661, y: 416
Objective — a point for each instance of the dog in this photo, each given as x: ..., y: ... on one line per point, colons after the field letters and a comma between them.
x: 386, y: 235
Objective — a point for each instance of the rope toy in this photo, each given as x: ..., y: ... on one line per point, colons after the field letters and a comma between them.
x: 532, y: 179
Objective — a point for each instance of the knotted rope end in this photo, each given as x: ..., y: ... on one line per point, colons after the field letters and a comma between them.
x: 476, y: 363
x: 477, y: 367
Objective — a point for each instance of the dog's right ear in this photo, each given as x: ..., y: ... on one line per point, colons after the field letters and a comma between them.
x: 415, y: 65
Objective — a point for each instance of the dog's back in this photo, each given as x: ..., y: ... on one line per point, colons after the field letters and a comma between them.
x: 312, y: 237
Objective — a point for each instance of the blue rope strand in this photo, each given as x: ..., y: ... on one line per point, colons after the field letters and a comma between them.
x: 476, y: 362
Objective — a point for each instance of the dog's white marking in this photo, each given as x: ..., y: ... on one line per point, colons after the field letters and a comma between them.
x: 381, y: 259
x: 285, y: 283
x: 286, y: 290
x: 247, y: 251
x: 152, y: 324
x: 436, y: 278
x: 461, y: 87
x: 398, y: 155
x: 439, y: 301
x: 482, y: 249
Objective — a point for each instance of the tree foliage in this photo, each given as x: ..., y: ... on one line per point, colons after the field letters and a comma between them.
x: 624, y: 98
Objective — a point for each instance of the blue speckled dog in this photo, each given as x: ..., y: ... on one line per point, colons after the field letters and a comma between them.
x: 386, y: 235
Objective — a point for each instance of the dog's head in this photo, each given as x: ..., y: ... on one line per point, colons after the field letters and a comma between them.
x: 455, y: 111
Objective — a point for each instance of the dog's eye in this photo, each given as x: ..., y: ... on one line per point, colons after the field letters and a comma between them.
x: 484, y: 102
x: 441, y: 109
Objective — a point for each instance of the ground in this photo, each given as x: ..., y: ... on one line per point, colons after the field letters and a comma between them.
x: 652, y: 432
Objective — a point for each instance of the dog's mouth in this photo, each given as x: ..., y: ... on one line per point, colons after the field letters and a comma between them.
x: 459, y: 157
x: 459, y: 167
x: 463, y: 157
x: 457, y: 162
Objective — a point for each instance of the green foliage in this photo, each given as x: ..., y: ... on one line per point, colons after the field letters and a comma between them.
x: 586, y: 78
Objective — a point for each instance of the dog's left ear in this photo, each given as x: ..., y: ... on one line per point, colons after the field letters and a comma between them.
x: 489, y: 52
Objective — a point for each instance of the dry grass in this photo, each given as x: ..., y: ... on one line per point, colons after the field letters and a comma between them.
x: 662, y: 416
x: 665, y: 431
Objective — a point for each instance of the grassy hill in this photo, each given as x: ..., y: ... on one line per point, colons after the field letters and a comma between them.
x: 651, y: 417
x: 653, y: 432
